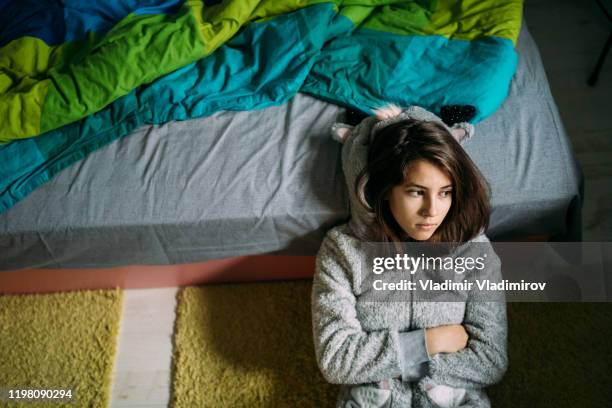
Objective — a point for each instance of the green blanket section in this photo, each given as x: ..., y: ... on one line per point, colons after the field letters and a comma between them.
x: 45, y: 87
x: 59, y: 341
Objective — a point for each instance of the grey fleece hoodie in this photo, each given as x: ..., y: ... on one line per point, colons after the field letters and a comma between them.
x: 360, y: 342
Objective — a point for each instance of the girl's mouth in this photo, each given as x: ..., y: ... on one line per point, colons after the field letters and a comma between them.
x: 426, y: 227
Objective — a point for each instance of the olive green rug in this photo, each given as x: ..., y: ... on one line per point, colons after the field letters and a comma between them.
x: 59, y: 341
x: 560, y: 356
x: 247, y: 345
x: 251, y: 345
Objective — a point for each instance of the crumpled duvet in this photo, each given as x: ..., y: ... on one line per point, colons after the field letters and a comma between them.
x: 74, y: 76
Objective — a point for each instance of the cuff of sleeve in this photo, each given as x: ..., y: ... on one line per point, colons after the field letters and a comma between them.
x: 413, y: 352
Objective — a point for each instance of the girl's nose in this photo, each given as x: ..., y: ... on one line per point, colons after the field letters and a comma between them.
x: 429, y: 208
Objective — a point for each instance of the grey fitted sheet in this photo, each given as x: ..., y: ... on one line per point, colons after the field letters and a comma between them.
x: 266, y: 181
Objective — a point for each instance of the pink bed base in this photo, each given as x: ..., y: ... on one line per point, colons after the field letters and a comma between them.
x: 237, y: 269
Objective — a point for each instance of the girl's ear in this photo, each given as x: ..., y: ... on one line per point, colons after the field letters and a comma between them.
x: 340, y: 132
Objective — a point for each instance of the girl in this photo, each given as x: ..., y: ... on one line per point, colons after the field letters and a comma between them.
x: 409, y: 180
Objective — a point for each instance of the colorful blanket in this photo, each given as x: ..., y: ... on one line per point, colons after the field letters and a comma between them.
x: 76, y: 75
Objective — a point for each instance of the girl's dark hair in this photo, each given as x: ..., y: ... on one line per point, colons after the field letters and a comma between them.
x: 393, y: 149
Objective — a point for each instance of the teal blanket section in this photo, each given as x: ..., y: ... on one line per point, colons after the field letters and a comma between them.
x: 264, y: 65
x: 372, y: 68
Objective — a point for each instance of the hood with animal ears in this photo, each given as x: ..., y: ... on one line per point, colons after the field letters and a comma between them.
x: 356, y: 141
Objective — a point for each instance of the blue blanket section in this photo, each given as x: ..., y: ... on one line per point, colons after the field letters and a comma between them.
x: 413, y: 70
x: 264, y: 65
x: 56, y: 22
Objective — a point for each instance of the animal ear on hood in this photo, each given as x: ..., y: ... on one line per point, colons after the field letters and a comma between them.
x: 387, y: 112
x: 457, y: 118
x: 462, y: 131
x: 340, y: 131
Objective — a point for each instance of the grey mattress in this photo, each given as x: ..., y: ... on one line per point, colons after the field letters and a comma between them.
x: 268, y: 181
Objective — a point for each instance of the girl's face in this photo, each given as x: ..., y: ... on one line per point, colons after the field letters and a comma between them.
x: 420, y: 204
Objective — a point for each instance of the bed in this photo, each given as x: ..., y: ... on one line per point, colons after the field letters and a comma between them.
x: 203, y: 189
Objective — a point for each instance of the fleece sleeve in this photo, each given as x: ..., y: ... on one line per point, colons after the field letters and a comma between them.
x: 346, y: 353
x: 413, y: 354
x: 484, y: 361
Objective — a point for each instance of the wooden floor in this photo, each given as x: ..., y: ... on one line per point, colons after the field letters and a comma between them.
x: 142, y: 368
x: 570, y: 35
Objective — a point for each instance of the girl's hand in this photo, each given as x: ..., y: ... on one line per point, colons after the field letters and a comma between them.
x: 446, y: 339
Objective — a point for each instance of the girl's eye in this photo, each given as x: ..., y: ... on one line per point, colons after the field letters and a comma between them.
x: 415, y: 193
x: 446, y: 193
